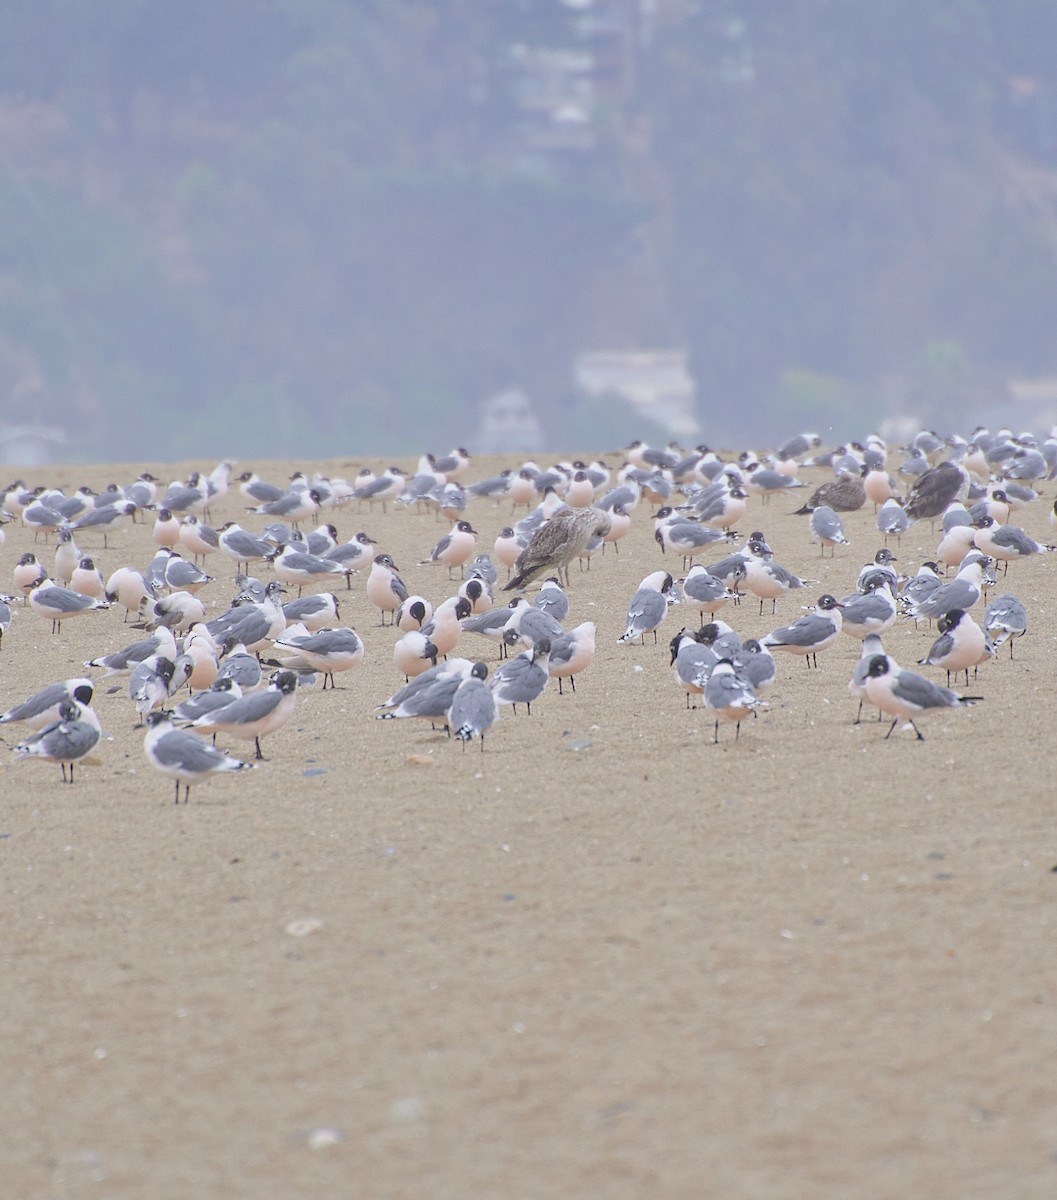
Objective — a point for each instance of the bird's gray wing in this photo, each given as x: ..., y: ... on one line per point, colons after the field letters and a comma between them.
x: 808, y: 631
x: 921, y: 692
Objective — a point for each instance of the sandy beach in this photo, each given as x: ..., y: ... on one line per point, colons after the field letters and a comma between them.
x: 603, y: 958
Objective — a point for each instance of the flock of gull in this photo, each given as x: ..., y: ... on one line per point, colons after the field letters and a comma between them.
x: 194, y: 670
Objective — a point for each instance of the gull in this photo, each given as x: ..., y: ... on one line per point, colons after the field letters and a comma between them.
x: 42, y: 708
x: 6, y: 615
x: 321, y: 541
x: 570, y: 653
x: 414, y: 653
x: 28, y: 573
x: 454, y: 549
x: 182, y: 576
x: 241, y: 546
x: 581, y: 491
x: 810, y: 633
x: 149, y: 682
x: 508, y: 547
x: 221, y: 692
x: 67, y: 556
x: 183, y: 757
x: 935, y: 488
x: 60, y: 604
x: 619, y: 525
x: 799, y: 445
x: 704, y: 591
x: 843, y: 494
x: 729, y: 695
x: 42, y: 518
x: 293, y: 506
x: 119, y: 662
x: 478, y: 592
x: 522, y: 679
x: 492, y: 487
x: 871, y: 611
x: 828, y: 528
x: 648, y: 607
x: 756, y: 663
x: 961, y: 645
x: 444, y: 629
x: 924, y: 583
x: 166, y: 531
x: 871, y: 647
x: 1005, y: 542
x: 413, y: 613
x: 879, y: 568
x: 527, y: 626
x: 103, y: 518
x: 129, y: 588
x: 691, y: 661
x: 63, y: 741
x: 766, y: 482
x: 241, y: 667
x: 555, y: 544
x: 254, y: 623
x: 769, y: 580
x: 551, y: 599
x: 327, y: 650
x: 428, y: 696
x: 387, y: 486
x: 257, y: 715
x: 254, y: 488
x: 683, y: 535
x: 197, y: 537
x: 385, y: 589
x: 724, y: 508
x: 905, y: 694
x: 178, y: 610
x: 1005, y: 619
x: 492, y: 624
x: 199, y: 647
x: 474, y: 709
x: 184, y: 496
x: 88, y: 579
x: 483, y: 567
x: 956, y: 544
x: 293, y: 564
x: 963, y: 591
x: 879, y: 486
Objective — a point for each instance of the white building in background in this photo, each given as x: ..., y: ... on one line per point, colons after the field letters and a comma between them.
x: 509, y: 425
x: 656, y: 383
x: 29, y: 445
x: 1032, y: 403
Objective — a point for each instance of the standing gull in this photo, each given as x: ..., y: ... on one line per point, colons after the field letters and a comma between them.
x: 64, y: 741
x: 253, y: 717
x: 474, y: 709
x: 810, y: 633
x: 902, y: 693
x: 555, y: 544
x: 648, y: 607
x: 522, y: 679
x: 1005, y: 619
x: 183, y: 757
x: 729, y: 695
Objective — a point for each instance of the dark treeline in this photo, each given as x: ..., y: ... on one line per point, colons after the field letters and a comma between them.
x: 336, y: 226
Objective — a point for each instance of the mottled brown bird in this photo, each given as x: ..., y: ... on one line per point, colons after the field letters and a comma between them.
x: 554, y: 545
x: 843, y: 494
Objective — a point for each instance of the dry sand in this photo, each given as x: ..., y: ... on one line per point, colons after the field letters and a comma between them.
x: 604, y: 958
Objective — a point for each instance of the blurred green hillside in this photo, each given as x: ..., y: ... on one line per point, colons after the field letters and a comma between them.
x: 336, y: 226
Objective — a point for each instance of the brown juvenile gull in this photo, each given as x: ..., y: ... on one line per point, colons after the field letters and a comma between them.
x: 554, y: 545
x: 843, y: 494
